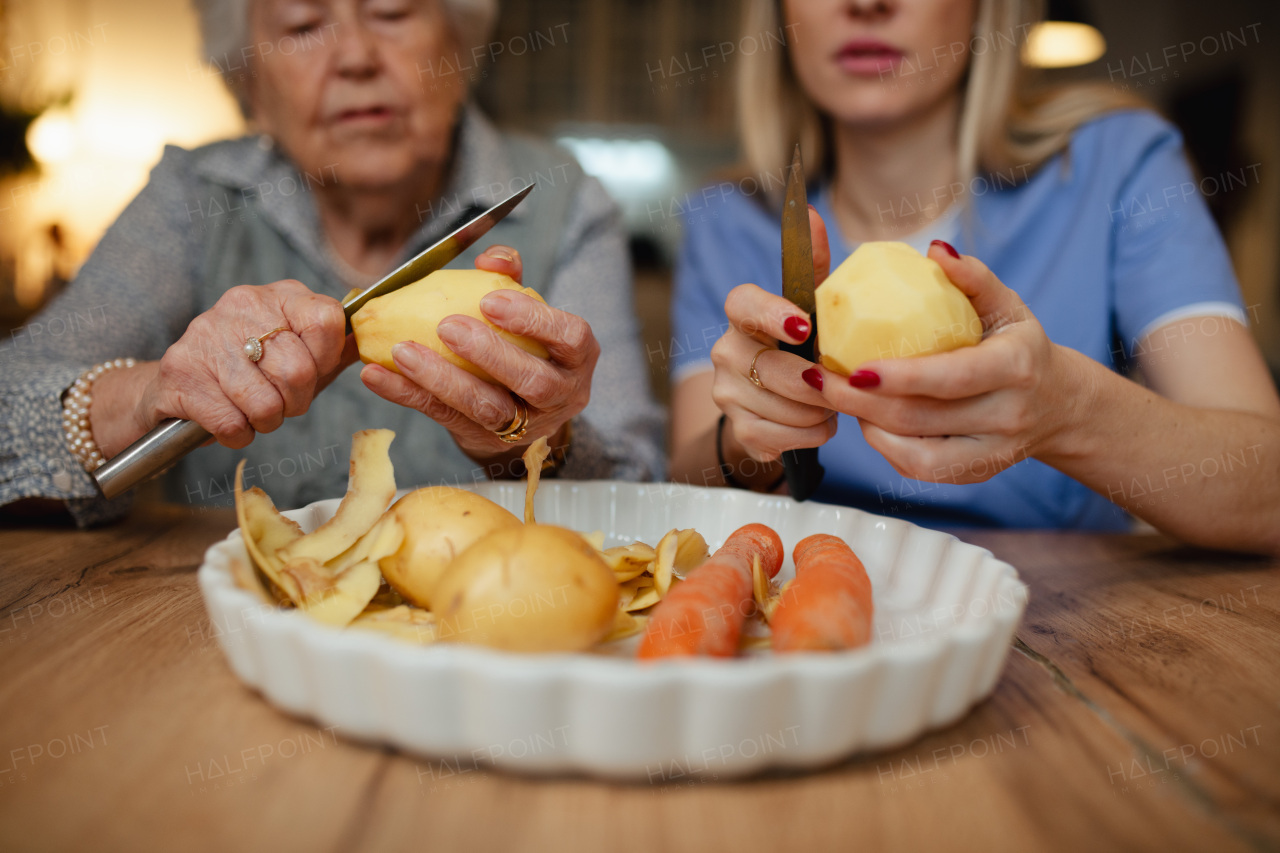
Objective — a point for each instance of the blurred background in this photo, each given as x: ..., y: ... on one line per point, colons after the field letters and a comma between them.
x: 91, y: 90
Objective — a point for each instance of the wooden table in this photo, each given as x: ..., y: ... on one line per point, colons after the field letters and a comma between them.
x: 1140, y: 710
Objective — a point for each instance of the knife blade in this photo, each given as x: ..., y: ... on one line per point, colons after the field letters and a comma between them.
x: 803, y: 471
x: 173, y: 438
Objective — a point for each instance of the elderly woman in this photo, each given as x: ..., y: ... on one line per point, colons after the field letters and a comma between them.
x: 1040, y: 210
x: 365, y: 153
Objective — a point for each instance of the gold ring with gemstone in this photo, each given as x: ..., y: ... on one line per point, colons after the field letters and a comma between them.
x: 753, y: 374
x: 519, y: 425
x: 253, y: 346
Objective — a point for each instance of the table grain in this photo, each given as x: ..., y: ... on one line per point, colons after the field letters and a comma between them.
x: 1139, y: 710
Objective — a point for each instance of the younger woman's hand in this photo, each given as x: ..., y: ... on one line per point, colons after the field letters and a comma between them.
x: 781, y: 409
x: 965, y: 415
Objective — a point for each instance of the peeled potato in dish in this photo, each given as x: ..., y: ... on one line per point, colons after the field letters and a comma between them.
x: 532, y: 588
x: 440, y: 522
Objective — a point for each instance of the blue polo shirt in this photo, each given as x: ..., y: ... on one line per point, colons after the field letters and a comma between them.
x: 1105, y: 244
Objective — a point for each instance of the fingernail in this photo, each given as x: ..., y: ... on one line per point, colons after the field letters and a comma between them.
x: 950, y: 249
x: 496, y: 304
x: 499, y: 253
x: 864, y: 379
x: 796, y: 327
x: 814, y: 209
x: 406, y: 356
x: 813, y: 378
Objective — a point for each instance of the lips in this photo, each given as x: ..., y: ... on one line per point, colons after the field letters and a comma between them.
x: 365, y: 114
x: 868, y: 57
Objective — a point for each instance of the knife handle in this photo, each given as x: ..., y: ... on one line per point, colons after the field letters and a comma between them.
x: 150, y: 455
x: 803, y: 471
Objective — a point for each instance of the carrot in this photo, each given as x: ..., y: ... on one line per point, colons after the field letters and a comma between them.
x: 704, y: 614
x: 828, y: 606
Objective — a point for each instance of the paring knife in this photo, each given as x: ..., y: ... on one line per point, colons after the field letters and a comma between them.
x: 803, y: 471
x: 172, y: 438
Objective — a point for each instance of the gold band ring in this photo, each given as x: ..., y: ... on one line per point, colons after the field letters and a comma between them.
x: 753, y: 374
x: 519, y: 425
x: 253, y: 346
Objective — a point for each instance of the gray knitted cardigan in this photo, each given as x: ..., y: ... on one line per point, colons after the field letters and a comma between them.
x: 238, y: 212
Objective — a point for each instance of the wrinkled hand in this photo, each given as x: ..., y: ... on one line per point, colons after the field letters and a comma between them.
x: 786, y: 413
x: 206, y: 377
x: 473, y: 410
x: 963, y: 416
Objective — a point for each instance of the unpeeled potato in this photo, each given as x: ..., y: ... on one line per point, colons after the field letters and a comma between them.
x: 413, y: 312
x: 440, y: 522
x: 533, y: 588
x: 889, y: 301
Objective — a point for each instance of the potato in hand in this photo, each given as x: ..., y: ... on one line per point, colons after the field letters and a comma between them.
x: 412, y: 313
x: 889, y: 301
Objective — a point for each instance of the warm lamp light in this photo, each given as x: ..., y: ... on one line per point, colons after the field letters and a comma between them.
x: 51, y: 138
x: 1061, y: 44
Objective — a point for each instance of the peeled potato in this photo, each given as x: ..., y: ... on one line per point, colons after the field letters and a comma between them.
x: 889, y: 301
x: 439, y: 522
x: 533, y: 588
x: 412, y: 313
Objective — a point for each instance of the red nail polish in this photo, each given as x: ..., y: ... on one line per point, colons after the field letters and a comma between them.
x: 796, y: 327
x: 814, y: 209
x: 864, y: 379
x: 951, y: 250
x: 813, y: 378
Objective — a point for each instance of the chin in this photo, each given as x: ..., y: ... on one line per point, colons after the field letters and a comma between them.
x: 377, y: 166
x: 880, y: 107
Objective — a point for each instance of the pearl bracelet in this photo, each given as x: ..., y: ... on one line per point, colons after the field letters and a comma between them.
x: 75, y: 414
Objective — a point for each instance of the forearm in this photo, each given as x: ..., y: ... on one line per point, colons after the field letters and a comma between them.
x: 1209, y: 477
x: 695, y: 462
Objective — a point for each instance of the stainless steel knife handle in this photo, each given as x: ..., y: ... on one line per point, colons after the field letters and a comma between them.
x: 150, y: 455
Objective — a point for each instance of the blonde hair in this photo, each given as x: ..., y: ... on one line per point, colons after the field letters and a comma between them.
x: 1004, y: 125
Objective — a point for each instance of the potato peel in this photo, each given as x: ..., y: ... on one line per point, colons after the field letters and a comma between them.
x: 624, y: 625
x: 533, y: 456
x: 382, y: 540
x: 691, y: 552
x: 347, y: 596
x: 664, y: 561
x: 402, y: 621
x: 642, y: 591
x: 371, y: 486
x: 265, y: 530
x: 629, y: 561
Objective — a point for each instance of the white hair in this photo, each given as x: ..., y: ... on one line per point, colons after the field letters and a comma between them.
x: 224, y: 33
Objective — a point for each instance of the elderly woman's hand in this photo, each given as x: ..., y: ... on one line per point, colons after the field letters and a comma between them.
x: 206, y: 376
x: 473, y: 410
x: 965, y: 415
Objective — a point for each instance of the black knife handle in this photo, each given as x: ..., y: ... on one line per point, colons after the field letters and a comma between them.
x: 803, y: 471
